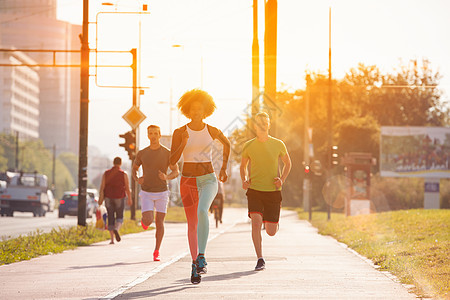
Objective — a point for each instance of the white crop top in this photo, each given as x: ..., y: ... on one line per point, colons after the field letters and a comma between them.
x: 198, y: 146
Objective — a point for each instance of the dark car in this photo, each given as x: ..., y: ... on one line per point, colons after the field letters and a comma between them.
x: 68, y: 205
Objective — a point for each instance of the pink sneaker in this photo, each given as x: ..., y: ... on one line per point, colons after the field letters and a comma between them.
x: 143, y: 226
x: 156, y: 256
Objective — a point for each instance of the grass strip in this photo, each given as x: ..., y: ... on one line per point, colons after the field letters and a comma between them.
x: 38, y: 243
x: 414, y: 245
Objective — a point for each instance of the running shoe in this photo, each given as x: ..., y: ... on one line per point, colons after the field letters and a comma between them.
x: 260, y: 265
x: 116, y: 233
x: 156, y: 256
x: 195, y: 277
x: 143, y: 226
x: 201, y: 264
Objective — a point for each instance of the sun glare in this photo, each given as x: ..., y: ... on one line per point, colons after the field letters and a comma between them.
x: 188, y: 44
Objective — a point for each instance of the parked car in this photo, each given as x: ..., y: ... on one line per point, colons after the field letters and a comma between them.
x: 68, y: 205
x: 94, y: 194
x: 24, y: 192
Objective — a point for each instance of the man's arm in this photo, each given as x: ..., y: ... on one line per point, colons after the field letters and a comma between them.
x: 243, y: 171
x: 101, y: 195
x: 286, y: 159
x: 286, y: 169
x: 127, y: 190
x: 134, y: 172
x: 173, y: 174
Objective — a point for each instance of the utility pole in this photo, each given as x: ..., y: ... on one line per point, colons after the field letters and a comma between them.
x: 270, y: 60
x: 306, y: 179
x: 17, y: 151
x: 84, y: 110
x: 255, y: 68
x: 54, y: 168
x: 135, y: 131
x: 330, y: 116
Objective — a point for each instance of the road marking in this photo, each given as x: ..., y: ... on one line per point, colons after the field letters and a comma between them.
x: 144, y: 277
x: 158, y: 269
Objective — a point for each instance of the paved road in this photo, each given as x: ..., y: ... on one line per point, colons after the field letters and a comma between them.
x: 24, y: 223
x: 301, y: 264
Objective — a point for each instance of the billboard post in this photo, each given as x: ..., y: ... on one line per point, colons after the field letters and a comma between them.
x: 431, y: 193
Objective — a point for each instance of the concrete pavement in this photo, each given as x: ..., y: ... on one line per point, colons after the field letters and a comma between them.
x: 300, y: 264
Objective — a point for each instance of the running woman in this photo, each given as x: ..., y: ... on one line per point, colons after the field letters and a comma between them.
x: 263, y: 184
x: 198, y: 185
x: 154, y: 193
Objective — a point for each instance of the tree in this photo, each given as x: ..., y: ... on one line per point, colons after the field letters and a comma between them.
x: 3, y: 160
x: 359, y: 135
x: 70, y: 160
x: 7, y: 142
x: 409, y: 96
x: 34, y: 156
x: 363, y: 100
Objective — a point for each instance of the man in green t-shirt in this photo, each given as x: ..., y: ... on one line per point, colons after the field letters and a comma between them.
x: 263, y: 181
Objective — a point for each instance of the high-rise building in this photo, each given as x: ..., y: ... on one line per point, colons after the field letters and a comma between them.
x: 19, y: 96
x: 32, y: 24
x: 43, y: 8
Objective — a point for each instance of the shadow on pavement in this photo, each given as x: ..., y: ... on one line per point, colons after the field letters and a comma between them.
x: 106, y: 266
x: 220, y: 277
x: 156, y: 292
x: 181, y: 285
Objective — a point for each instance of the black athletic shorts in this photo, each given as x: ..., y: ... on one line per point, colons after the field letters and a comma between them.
x: 267, y: 204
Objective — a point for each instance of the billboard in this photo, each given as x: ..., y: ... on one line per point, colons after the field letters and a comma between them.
x: 415, y: 152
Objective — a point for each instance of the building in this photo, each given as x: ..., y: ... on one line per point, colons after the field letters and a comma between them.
x: 45, y: 8
x: 19, y: 96
x: 32, y: 24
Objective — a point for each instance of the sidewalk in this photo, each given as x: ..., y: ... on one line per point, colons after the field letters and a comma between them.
x: 300, y: 264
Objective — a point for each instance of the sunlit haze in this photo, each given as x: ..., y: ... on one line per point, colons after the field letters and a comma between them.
x: 193, y: 43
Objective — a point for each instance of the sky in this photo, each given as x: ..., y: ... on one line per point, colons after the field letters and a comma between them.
x: 213, y: 51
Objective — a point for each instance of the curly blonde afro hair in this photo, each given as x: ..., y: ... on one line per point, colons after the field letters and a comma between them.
x: 196, y: 95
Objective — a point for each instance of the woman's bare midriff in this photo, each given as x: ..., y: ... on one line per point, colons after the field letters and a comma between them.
x: 191, y: 169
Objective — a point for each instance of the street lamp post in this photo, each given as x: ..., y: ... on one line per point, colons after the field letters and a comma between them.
x: 136, y: 53
x: 84, y: 109
x: 330, y: 111
x: 306, y: 179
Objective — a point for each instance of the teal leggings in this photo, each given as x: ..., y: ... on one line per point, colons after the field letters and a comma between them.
x: 197, y: 194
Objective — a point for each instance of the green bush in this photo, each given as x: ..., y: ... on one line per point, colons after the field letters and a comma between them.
x: 389, y: 193
x: 386, y: 193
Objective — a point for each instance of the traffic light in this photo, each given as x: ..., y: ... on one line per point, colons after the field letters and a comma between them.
x: 129, y: 144
x: 307, y: 172
x: 334, y: 156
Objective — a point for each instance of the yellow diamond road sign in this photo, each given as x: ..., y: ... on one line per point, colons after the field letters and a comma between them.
x: 134, y: 116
